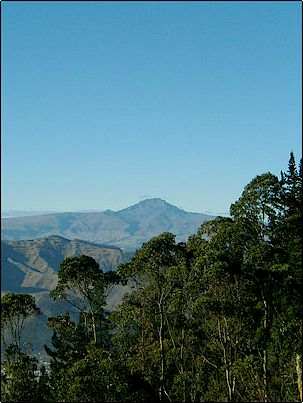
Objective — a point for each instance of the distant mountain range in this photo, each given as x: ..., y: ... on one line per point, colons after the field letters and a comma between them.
x: 33, y: 247
x: 26, y: 213
x: 31, y: 266
x: 22, y: 213
x: 127, y: 228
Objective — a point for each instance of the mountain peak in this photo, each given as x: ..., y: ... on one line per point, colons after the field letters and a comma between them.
x: 148, y: 204
x: 126, y: 228
x: 153, y: 201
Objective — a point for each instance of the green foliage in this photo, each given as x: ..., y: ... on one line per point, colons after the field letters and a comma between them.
x: 82, y: 284
x: 107, y: 377
x: 15, y: 309
x: 20, y: 381
x: 68, y: 340
x: 218, y: 318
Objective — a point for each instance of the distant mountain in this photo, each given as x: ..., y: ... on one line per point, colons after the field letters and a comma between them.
x: 127, y: 228
x: 27, y: 213
x: 32, y: 267
x: 22, y: 213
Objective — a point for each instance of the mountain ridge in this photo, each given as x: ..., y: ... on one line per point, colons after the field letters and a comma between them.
x: 31, y: 266
x: 127, y: 228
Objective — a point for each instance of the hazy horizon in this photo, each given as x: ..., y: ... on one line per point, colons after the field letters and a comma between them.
x: 8, y: 213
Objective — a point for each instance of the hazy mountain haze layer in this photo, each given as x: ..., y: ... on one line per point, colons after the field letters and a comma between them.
x: 127, y: 228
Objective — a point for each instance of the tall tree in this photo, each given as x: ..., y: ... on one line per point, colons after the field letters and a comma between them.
x: 291, y: 182
x: 224, y: 306
x: 16, y: 309
x: 19, y: 380
x: 82, y: 283
x: 154, y: 273
x: 287, y: 242
x: 259, y: 203
x: 274, y: 208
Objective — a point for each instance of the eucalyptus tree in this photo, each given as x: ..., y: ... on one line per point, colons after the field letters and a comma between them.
x: 100, y: 376
x: 82, y: 283
x: 224, y: 307
x: 19, y: 380
x: 16, y: 310
x: 145, y: 314
x: 274, y: 209
x: 259, y: 203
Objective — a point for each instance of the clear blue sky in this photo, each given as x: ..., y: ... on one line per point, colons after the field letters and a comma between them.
x: 105, y: 103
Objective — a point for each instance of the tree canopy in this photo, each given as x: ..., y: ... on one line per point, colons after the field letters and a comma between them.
x: 215, y: 318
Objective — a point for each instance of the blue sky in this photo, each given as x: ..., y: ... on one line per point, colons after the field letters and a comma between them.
x: 106, y: 103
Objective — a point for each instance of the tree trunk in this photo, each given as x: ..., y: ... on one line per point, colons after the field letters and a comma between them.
x: 182, y: 365
x: 161, y: 342
x: 94, y: 328
x: 265, y: 325
x: 86, y: 327
x: 230, y: 378
x: 143, y: 345
x: 299, y: 374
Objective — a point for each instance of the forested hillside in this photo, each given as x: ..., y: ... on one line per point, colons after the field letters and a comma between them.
x: 215, y: 319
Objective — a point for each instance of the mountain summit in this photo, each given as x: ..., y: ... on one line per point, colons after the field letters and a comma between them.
x: 150, y: 206
x: 127, y: 228
x: 153, y: 202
